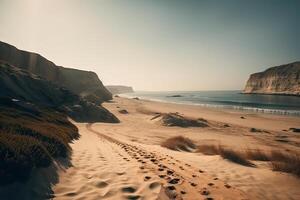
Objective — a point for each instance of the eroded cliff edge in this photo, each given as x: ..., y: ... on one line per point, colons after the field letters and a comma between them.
x: 283, y: 80
x: 83, y: 83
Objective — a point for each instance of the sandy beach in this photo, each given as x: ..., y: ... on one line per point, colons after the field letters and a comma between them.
x: 126, y: 161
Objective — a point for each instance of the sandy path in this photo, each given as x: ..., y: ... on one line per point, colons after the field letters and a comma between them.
x: 101, y: 170
x: 107, y: 168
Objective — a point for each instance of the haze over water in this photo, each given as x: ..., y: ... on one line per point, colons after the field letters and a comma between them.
x: 158, y: 45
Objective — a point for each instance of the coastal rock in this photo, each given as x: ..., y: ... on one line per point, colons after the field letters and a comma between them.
x: 283, y: 79
x: 83, y: 83
x: 119, y: 89
x: 22, y: 86
x: 176, y: 95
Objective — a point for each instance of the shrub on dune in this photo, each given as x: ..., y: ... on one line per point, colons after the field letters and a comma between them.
x: 226, y: 153
x: 208, y: 149
x: 179, y: 143
x: 285, y: 162
x: 257, y: 155
x: 235, y: 156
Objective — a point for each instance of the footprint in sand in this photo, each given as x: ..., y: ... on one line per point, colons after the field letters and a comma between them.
x: 169, y: 172
x: 101, y: 184
x: 205, y: 192
x: 71, y: 194
x: 154, y: 185
x: 193, y: 184
x: 174, y: 181
x: 162, y: 176
x: 171, y: 192
x: 147, y: 178
x: 133, y: 197
x: 128, y: 189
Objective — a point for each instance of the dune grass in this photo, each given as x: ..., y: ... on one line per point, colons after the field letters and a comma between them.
x: 179, y: 143
x: 285, y: 162
x: 226, y: 153
x: 235, y: 156
x: 31, y: 138
x: 257, y: 154
x: 208, y: 149
x: 278, y: 160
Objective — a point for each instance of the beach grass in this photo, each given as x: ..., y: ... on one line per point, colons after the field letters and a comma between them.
x: 31, y: 139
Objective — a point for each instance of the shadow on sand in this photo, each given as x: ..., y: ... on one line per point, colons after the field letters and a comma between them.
x: 40, y: 184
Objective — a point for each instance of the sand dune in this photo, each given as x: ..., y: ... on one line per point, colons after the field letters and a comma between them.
x: 105, y: 167
x: 103, y: 170
x: 127, y: 161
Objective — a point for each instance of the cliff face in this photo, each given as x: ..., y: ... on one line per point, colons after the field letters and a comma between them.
x: 283, y: 79
x: 30, y: 90
x: 84, y: 83
x: 119, y: 89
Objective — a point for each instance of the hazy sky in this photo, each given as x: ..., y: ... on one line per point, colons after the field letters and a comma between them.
x: 158, y: 44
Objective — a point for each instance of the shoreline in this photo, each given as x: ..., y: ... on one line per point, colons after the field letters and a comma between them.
x: 231, y: 116
x: 254, y: 110
x: 275, y: 94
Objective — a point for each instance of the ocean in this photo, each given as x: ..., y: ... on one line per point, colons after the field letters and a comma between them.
x: 273, y: 104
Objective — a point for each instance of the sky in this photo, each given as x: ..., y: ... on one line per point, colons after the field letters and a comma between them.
x: 158, y: 45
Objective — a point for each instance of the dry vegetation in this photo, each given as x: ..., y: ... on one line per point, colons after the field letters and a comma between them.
x: 208, y: 149
x: 285, y: 162
x: 31, y: 137
x: 235, y: 156
x: 279, y: 161
x: 226, y: 153
x: 174, y: 119
x: 179, y: 143
x: 257, y: 155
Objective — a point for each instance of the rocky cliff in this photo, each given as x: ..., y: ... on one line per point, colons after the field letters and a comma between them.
x: 119, y: 89
x: 83, y: 83
x: 30, y: 90
x: 283, y: 79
